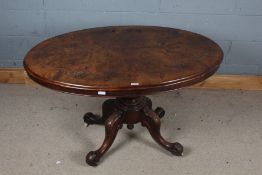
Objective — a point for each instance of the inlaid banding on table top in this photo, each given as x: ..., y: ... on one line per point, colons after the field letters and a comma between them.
x: 115, y: 57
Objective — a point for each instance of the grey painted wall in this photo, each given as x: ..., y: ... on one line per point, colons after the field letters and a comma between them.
x: 235, y: 24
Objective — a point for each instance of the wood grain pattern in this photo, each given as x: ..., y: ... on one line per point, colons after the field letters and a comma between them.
x: 238, y: 82
x: 12, y: 76
x: 123, y: 61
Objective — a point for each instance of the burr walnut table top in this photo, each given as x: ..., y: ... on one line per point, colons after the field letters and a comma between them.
x: 123, y: 60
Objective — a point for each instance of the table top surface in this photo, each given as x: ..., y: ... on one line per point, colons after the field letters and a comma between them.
x: 123, y: 60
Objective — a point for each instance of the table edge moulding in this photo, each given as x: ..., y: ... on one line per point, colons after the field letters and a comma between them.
x: 151, y: 59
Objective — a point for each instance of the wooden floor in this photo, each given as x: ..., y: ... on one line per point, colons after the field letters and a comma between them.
x: 18, y: 76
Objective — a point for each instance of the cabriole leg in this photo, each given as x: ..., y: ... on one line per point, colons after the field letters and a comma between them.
x: 152, y: 122
x: 112, y: 125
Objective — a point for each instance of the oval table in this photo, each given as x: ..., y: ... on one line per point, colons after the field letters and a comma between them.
x: 125, y: 62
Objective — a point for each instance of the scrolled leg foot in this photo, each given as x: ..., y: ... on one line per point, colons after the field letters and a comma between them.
x: 152, y: 122
x: 176, y: 149
x: 92, y: 159
x: 90, y: 119
x: 160, y: 112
